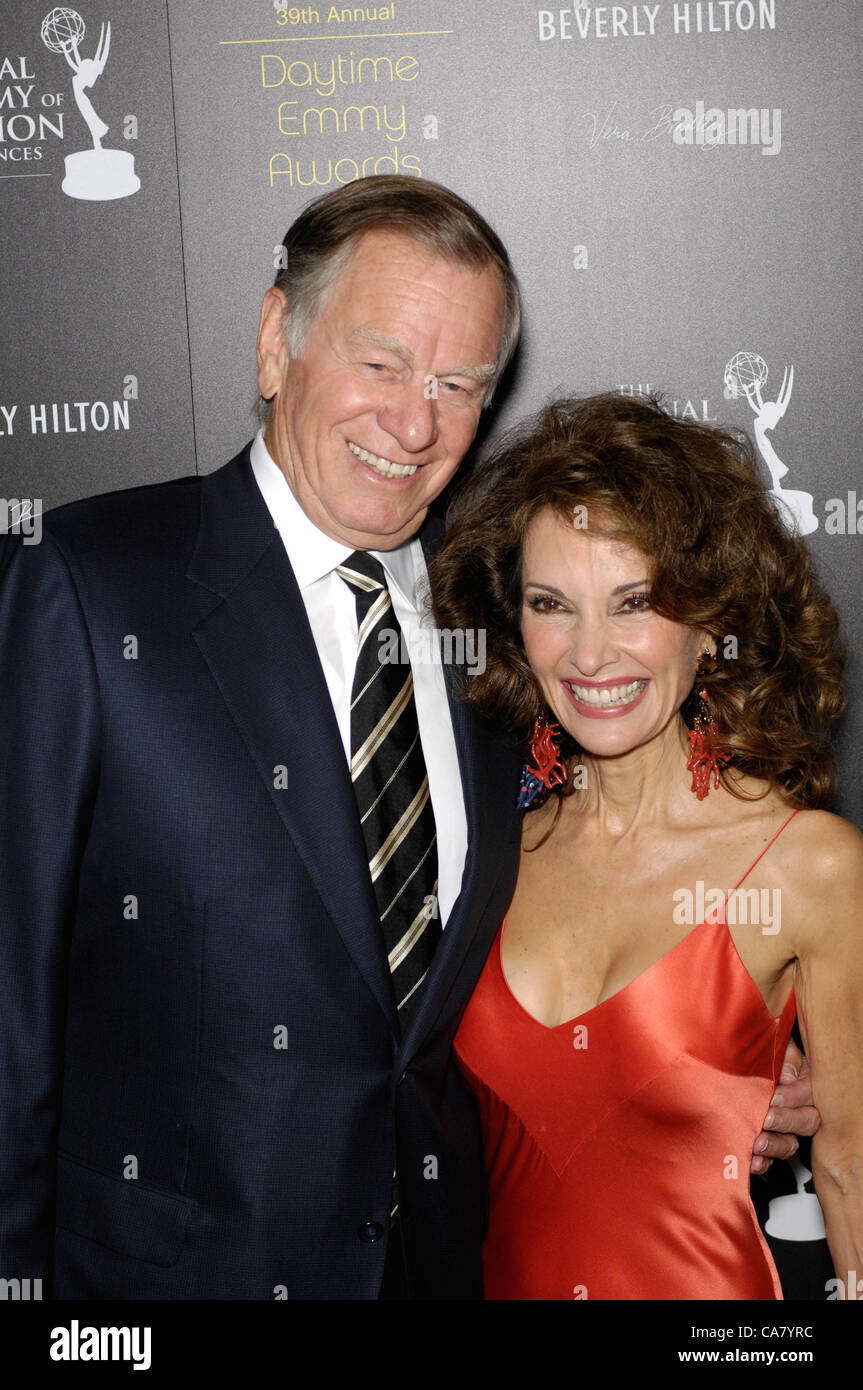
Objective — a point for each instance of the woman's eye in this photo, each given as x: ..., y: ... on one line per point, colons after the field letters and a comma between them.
x: 543, y: 603
x: 636, y: 603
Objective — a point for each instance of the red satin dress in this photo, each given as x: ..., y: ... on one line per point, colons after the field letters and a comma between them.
x: 618, y: 1144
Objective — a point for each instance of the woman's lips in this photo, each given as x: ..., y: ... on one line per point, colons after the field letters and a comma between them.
x: 621, y: 697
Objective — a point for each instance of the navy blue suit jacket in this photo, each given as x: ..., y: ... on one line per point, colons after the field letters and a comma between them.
x: 204, y: 1091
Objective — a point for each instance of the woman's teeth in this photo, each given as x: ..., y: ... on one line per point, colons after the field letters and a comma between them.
x: 605, y: 696
x: 382, y: 466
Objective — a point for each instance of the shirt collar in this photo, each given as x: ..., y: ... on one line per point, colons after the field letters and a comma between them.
x: 311, y: 551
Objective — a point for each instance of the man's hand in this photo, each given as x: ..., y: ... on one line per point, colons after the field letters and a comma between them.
x: 791, y: 1112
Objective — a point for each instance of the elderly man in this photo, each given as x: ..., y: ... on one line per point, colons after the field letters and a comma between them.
x: 252, y: 871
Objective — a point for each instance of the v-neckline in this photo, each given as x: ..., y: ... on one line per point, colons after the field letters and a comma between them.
x: 570, y: 1022
x: 729, y: 939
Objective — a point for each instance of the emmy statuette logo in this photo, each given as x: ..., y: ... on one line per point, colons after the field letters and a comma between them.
x: 99, y: 174
x: 797, y: 1216
x: 745, y: 375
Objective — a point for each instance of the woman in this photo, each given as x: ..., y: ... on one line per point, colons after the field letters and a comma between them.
x: 639, y: 591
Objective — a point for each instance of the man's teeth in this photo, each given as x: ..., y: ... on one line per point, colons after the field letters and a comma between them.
x: 383, y: 466
x: 607, y: 695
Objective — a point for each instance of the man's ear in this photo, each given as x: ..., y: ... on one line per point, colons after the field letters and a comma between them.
x: 272, y: 348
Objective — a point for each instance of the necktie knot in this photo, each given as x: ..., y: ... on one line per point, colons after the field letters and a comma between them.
x: 362, y: 572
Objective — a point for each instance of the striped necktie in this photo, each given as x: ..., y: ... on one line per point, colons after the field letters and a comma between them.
x: 390, y: 783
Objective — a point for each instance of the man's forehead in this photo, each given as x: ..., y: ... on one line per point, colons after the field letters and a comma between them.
x: 394, y: 286
x: 383, y: 254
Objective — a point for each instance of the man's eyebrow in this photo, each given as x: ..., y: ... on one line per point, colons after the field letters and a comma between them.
x: 383, y: 340
x: 482, y: 374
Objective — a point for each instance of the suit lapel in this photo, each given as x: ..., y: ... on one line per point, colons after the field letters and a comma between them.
x: 259, y: 647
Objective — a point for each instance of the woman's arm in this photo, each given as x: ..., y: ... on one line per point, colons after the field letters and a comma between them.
x: 828, y: 940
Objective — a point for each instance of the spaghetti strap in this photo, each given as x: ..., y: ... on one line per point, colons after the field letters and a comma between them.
x: 766, y: 848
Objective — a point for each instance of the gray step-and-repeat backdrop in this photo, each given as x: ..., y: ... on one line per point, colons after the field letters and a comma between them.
x: 676, y: 182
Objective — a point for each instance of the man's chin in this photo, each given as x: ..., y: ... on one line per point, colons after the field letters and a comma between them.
x: 381, y: 528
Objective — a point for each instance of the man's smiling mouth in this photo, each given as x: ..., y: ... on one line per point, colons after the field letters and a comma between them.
x: 382, y: 466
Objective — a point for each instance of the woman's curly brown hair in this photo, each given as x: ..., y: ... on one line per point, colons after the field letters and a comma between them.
x: 688, y: 496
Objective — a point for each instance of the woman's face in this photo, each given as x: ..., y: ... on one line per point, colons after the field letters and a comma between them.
x: 614, y: 672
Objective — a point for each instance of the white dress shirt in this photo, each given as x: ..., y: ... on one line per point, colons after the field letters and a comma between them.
x: 332, y: 613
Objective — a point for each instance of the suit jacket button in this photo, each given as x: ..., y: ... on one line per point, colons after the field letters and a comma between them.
x: 370, y: 1231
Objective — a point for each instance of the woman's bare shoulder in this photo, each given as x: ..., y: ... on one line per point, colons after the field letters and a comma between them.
x: 831, y: 845
x: 824, y: 873
x: 816, y: 845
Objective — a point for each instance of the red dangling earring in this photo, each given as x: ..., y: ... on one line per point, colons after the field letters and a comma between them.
x: 705, y: 752
x: 546, y: 754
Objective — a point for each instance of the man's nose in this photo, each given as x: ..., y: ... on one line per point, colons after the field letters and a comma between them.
x: 409, y: 414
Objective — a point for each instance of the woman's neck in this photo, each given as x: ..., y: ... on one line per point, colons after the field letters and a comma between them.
x: 647, y: 785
